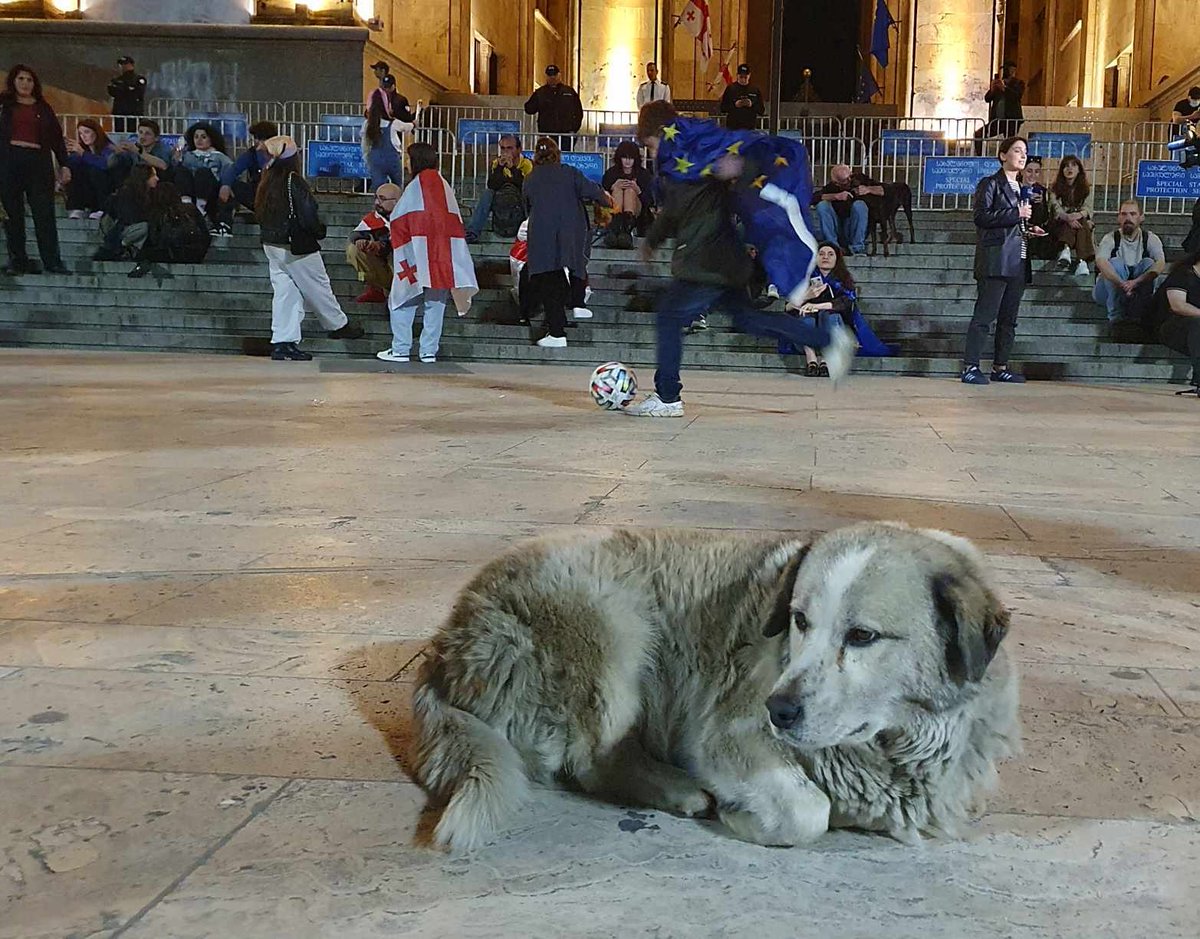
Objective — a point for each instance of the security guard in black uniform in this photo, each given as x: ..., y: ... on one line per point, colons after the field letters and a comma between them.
x: 128, y: 91
x: 558, y: 108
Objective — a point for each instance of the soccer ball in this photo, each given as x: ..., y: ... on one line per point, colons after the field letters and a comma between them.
x: 614, y: 385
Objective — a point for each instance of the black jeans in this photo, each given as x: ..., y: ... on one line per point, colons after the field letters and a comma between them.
x: 998, y: 301
x: 196, y: 185
x: 29, y: 174
x: 89, y: 188
x: 553, y: 291
x: 243, y: 196
x: 1182, y: 333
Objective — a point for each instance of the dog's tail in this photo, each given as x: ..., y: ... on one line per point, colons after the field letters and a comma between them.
x: 460, y: 758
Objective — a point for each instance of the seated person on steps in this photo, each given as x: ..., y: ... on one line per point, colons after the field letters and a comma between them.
x: 240, y: 179
x: 841, y: 212
x: 503, y: 200
x: 369, y: 250
x: 1127, y: 262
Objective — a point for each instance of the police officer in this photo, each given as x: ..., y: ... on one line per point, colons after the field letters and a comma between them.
x: 558, y: 108
x: 742, y: 104
x: 128, y: 91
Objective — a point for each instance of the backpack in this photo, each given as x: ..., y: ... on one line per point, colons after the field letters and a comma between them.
x: 179, y: 235
x: 508, y: 211
x: 619, y: 233
x: 1116, y: 248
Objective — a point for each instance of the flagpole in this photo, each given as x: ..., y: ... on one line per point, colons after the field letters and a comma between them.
x: 776, y: 66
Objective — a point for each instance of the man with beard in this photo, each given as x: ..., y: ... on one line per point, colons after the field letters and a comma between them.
x: 1127, y: 262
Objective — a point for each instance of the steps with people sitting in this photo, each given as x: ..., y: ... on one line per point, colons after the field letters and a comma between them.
x: 920, y: 298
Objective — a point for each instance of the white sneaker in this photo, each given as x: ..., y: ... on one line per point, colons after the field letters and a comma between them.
x: 96, y: 215
x: 839, y: 354
x: 587, y: 295
x: 202, y: 205
x: 1081, y: 269
x: 186, y: 200
x: 76, y: 213
x: 429, y: 359
x: 772, y: 291
x: 654, y: 406
x: 553, y: 342
x: 581, y: 313
x: 387, y: 355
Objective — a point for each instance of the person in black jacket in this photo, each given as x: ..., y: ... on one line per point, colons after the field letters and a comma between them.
x: 558, y: 108
x: 30, y: 139
x: 742, y: 103
x: 291, y: 230
x: 631, y: 186
x: 1005, y: 114
x: 1002, y: 221
x: 126, y: 223
x: 128, y: 91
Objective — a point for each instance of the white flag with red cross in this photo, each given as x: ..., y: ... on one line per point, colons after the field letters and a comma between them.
x: 695, y: 20
x: 429, y: 244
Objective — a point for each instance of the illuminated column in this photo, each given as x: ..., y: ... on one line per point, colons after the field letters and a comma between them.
x: 952, y: 65
x: 168, y: 11
x: 616, y: 40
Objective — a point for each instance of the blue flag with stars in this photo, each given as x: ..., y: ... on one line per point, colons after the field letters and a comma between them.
x: 774, y: 205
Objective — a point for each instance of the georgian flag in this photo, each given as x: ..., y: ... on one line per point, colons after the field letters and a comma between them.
x: 695, y: 20
x: 429, y: 244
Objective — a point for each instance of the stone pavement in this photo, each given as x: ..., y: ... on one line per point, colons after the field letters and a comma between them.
x: 216, y: 574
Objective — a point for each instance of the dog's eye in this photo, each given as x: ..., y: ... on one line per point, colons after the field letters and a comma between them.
x: 859, y: 637
x: 800, y: 621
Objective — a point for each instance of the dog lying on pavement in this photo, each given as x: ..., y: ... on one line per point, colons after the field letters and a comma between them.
x: 855, y: 681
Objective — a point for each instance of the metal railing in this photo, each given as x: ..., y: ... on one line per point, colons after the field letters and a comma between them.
x: 877, y: 145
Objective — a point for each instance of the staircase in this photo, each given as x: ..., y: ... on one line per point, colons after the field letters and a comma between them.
x: 921, y: 298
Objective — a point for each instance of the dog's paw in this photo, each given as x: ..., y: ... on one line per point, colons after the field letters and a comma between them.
x: 780, y: 815
x: 685, y: 800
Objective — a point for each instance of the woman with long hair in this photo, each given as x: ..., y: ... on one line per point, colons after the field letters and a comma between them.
x: 630, y: 185
x: 30, y: 140
x: 559, y: 236
x: 200, y: 159
x: 1071, y: 222
x: 388, y: 118
x: 291, y: 230
x: 126, y: 224
x: 91, y: 181
x: 1177, y: 311
x: 999, y: 264
x: 832, y: 298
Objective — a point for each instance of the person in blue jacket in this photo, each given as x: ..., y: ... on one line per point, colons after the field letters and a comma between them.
x: 88, y: 158
x: 239, y: 180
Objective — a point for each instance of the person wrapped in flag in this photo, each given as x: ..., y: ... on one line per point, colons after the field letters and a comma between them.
x: 708, y: 175
x: 432, y: 262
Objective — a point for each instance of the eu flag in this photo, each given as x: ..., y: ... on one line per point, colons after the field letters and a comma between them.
x: 868, y: 88
x: 880, y: 33
x: 773, y: 205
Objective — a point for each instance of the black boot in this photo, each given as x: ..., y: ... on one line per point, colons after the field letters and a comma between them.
x: 21, y: 266
x: 350, y: 331
x: 288, y: 352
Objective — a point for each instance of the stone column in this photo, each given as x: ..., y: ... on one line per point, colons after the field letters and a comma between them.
x: 227, y: 12
x: 953, y: 66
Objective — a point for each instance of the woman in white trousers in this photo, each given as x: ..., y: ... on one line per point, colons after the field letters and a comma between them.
x: 291, y: 230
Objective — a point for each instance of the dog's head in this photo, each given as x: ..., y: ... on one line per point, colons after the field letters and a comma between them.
x: 885, y: 623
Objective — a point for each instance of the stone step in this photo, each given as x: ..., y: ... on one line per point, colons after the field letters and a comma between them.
x: 588, y: 353
x: 1030, y: 346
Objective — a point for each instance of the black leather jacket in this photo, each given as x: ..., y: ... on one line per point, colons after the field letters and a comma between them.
x: 998, y: 251
x: 273, y: 225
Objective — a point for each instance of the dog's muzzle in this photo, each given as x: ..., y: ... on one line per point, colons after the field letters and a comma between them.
x: 785, y: 712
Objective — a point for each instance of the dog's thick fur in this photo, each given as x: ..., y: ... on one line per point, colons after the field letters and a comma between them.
x: 640, y: 665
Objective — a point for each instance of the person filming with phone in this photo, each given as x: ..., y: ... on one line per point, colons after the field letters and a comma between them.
x: 1005, y: 115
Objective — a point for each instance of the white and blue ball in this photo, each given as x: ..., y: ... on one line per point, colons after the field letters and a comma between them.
x: 614, y: 385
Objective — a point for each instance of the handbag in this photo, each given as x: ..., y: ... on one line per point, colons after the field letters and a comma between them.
x: 301, y: 239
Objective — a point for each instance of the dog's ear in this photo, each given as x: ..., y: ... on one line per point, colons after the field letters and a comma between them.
x: 971, y: 621
x: 781, y: 610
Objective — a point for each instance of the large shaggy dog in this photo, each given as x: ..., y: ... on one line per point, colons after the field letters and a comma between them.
x: 854, y: 682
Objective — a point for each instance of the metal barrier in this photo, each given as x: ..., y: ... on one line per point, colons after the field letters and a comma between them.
x: 182, y: 107
x: 309, y: 111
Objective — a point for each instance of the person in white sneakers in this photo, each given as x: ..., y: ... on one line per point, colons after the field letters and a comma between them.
x: 559, y: 236
x: 431, y: 259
